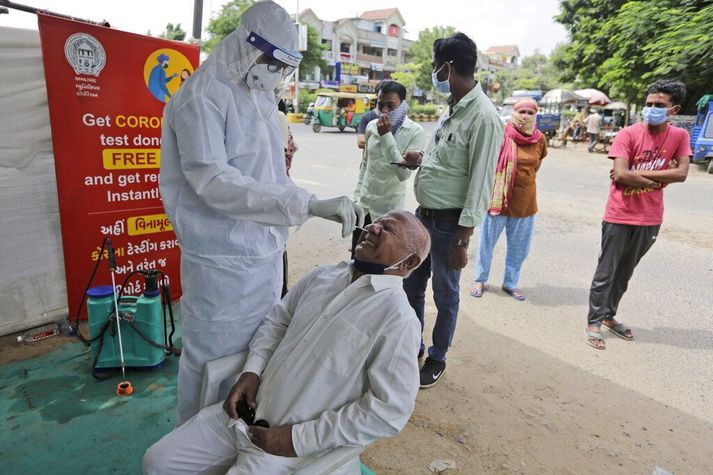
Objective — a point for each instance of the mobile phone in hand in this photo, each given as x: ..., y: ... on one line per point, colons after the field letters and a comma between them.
x: 245, y: 412
x: 405, y: 165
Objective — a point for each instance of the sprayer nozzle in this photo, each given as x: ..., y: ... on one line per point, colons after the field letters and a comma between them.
x: 124, y: 388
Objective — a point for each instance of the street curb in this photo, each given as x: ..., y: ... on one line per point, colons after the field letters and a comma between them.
x: 423, y: 117
x: 294, y: 118
x: 297, y: 118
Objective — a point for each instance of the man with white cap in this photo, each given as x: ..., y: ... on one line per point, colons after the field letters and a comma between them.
x: 226, y: 192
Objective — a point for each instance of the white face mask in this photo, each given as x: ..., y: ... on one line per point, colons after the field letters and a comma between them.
x: 259, y: 77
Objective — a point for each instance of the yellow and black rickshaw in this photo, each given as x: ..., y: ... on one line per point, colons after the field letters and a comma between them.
x: 340, y: 109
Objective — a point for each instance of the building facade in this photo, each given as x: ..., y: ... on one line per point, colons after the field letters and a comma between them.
x: 360, y: 49
x: 497, y: 58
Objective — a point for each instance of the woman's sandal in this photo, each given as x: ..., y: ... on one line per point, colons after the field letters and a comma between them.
x: 514, y: 293
x: 477, y: 290
x: 589, y: 336
x: 620, y: 330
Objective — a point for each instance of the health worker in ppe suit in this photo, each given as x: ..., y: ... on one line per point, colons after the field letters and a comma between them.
x: 226, y: 192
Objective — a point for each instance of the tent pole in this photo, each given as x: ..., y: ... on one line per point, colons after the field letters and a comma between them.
x: 30, y: 9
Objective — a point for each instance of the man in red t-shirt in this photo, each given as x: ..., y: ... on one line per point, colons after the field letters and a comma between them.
x: 647, y: 156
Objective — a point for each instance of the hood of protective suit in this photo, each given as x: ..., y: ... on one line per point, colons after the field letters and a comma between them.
x: 268, y: 20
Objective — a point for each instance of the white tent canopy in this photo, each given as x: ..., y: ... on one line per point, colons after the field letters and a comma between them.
x: 32, y: 285
x: 562, y: 96
x: 595, y: 97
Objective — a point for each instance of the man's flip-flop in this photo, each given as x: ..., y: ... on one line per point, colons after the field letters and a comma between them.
x: 514, y: 293
x: 477, y: 291
x: 620, y: 330
x: 589, y: 336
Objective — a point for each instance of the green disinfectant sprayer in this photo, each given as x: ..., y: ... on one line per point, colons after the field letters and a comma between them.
x: 125, y: 332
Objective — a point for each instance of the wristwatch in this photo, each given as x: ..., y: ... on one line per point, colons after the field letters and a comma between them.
x: 461, y: 243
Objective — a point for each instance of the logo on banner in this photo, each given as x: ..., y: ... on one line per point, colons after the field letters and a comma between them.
x: 165, y: 70
x: 85, y: 54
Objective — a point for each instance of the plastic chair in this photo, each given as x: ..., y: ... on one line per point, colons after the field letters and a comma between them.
x: 219, y: 370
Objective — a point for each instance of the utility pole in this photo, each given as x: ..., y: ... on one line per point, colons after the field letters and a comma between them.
x: 197, y: 19
x: 296, y: 101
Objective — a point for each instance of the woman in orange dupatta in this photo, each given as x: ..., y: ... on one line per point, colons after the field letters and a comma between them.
x: 514, y: 202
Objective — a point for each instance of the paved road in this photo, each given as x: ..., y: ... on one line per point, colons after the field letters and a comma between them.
x: 669, y: 304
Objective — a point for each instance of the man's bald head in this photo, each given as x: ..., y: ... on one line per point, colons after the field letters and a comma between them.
x: 417, y: 240
x: 396, y: 238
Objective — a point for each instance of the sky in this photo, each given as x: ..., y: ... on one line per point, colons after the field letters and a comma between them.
x: 526, y: 23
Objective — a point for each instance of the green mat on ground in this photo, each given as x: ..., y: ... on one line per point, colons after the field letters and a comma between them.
x: 56, y: 418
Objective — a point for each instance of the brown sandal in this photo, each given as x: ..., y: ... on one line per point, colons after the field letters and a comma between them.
x: 589, y: 336
x: 620, y: 330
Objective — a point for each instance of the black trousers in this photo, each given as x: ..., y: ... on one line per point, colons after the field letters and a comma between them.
x: 623, y: 246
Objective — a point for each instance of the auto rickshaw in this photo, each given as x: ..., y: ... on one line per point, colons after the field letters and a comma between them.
x: 340, y: 109
x: 702, y: 133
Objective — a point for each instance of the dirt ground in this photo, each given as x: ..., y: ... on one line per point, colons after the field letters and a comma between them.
x: 503, y: 407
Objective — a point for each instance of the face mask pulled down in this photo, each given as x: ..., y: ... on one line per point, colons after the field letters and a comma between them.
x: 374, y: 268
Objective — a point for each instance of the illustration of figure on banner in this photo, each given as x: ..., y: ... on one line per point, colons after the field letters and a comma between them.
x: 165, y: 71
x: 185, y: 74
x: 158, y: 79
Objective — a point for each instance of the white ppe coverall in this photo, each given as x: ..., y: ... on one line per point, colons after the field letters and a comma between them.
x: 226, y: 192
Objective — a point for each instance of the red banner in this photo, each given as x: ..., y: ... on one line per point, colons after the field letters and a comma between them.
x: 107, y: 90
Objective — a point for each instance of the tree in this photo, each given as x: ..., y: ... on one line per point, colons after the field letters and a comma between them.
x: 559, y: 70
x: 505, y: 78
x: 225, y: 22
x: 685, y: 51
x: 623, y: 46
x: 407, y: 74
x: 536, y: 72
x: 536, y: 62
x: 422, y: 50
x: 589, y: 46
x: 173, y: 32
x: 313, y: 56
x: 622, y: 72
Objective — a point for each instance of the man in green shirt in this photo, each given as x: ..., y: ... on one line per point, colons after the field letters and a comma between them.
x: 453, y: 188
x: 382, y: 185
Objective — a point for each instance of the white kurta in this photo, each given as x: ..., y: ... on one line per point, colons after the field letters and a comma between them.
x: 336, y: 360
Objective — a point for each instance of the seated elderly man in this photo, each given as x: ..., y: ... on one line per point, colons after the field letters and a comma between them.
x: 333, y: 364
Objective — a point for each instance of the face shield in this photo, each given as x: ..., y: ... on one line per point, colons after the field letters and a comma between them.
x: 271, y: 68
x: 280, y: 61
x: 261, y: 53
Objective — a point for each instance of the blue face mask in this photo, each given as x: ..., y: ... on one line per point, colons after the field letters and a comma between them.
x: 443, y: 87
x: 655, y: 115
